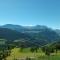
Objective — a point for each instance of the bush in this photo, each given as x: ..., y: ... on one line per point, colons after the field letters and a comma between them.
x: 27, y: 58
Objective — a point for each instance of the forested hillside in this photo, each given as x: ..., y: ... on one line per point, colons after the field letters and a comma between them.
x: 34, y: 35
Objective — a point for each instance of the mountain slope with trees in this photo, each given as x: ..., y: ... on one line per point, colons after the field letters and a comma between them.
x: 31, y: 36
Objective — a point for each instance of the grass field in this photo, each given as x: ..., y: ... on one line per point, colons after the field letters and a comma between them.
x: 15, y: 53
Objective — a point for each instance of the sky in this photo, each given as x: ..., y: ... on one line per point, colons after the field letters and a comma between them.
x: 30, y: 12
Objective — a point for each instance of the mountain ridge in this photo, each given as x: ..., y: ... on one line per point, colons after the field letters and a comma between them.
x: 39, y: 36
x: 24, y: 28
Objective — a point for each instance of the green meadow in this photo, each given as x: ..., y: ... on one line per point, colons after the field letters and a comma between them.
x: 17, y: 55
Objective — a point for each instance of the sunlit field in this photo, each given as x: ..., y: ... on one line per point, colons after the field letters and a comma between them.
x: 16, y: 54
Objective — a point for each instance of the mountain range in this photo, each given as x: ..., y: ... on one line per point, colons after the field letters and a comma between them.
x: 33, y: 35
x: 20, y: 28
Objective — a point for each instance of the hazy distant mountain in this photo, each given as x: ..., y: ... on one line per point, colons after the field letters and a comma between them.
x: 13, y: 27
x: 57, y: 31
x: 9, y: 34
x: 34, y: 29
x: 33, y: 35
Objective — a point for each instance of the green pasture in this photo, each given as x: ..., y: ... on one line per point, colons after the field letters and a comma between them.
x: 16, y: 54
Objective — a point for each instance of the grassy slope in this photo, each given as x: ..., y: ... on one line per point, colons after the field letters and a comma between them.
x: 15, y: 53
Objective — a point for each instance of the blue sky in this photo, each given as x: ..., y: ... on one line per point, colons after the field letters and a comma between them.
x: 30, y: 12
